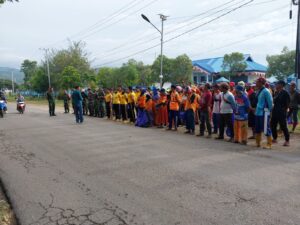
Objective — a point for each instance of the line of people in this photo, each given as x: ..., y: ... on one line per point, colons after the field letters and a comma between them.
x: 213, y: 107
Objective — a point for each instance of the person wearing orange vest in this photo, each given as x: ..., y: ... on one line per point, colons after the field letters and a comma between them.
x: 174, y: 107
x: 148, y: 110
x: 190, y: 109
x: 162, y: 108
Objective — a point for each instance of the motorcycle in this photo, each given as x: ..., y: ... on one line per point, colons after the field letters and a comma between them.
x: 21, y: 107
x: 3, y: 108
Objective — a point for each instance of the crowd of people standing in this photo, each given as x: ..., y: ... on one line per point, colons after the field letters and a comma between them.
x: 225, y: 108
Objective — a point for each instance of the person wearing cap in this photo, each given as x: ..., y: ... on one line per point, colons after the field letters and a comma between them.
x: 251, y: 115
x: 131, y: 104
x: 190, y: 109
x: 205, y: 110
x: 294, y: 105
x: 216, y: 107
x: 162, y: 109
x: 241, y: 116
x: 108, y: 103
x: 279, y: 113
x: 263, y: 111
x: 226, y: 111
x: 174, y: 108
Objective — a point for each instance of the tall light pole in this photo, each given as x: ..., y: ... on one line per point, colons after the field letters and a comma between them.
x: 47, y: 61
x: 12, y: 82
x: 163, y: 19
x: 297, y: 59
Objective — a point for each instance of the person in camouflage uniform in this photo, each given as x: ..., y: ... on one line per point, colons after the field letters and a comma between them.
x: 101, y: 96
x: 51, y: 101
x: 66, y: 99
x: 96, y: 104
x: 91, y: 99
x: 84, y: 102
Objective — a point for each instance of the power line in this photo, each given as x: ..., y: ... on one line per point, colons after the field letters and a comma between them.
x: 177, y: 36
x: 116, y: 49
x: 105, y: 20
x: 246, y: 39
x: 109, y: 25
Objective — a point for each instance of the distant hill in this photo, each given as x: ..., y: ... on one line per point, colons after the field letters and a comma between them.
x: 5, y: 72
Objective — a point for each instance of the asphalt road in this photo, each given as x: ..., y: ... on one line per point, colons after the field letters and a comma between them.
x: 104, y: 172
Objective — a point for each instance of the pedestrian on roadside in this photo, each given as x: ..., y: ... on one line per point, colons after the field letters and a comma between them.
x: 131, y: 105
x: 251, y: 115
x: 66, y: 99
x: 91, y: 99
x: 205, y: 110
x: 51, y: 101
x: 101, y: 96
x: 116, y: 104
x: 294, y: 105
x: 216, y: 108
x: 190, y: 109
x: 77, y: 100
x: 162, y: 109
x: 241, y: 116
x: 262, y: 113
x: 84, y: 102
x: 108, y: 103
x: 226, y: 112
x: 174, y: 108
x: 279, y: 113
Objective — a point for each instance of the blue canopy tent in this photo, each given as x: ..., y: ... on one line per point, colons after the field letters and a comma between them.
x: 221, y: 80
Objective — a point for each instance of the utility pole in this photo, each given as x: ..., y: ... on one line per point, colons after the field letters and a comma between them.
x: 47, y: 62
x: 12, y: 82
x: 297, y: 59
x: 163, y: 19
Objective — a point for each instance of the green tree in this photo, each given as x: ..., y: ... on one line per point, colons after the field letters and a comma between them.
x: 233, y: 63
x: 281, y: 65
x: 167, y: 69
x: 182, y: 69
x: 3, y: 1
x: 6, y: 83
x: 29, y: 69
x: 76, y: 56
x: 70, y: 77
x: 39, y: 81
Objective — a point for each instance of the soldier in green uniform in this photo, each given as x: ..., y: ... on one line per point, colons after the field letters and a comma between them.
x: 96, y: 104
x: 66, y: 99
x: 51, y: 101
x: 101, y: 96
x: 91, y: 102
x: 84, y: 102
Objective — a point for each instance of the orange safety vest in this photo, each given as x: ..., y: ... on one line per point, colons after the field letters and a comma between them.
x: 148, y: 105
x: 174, y: 103
x: 142, y: 101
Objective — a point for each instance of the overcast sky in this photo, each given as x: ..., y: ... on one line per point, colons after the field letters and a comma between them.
x: 114, y: 29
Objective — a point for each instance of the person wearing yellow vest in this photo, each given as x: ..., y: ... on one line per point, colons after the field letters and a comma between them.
x: 116, y: 104
x: 123, y: 104
x: 108, y: 101
x: 190, y: 109
x: 174, y: 108
x: 131, y: 104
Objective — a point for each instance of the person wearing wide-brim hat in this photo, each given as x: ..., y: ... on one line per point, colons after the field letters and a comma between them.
x: 279, y: 113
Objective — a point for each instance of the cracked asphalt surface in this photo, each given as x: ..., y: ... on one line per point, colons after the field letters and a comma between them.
x: 103, y: 172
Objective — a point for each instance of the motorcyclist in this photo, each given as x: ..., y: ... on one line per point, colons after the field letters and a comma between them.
x: 20, y: 98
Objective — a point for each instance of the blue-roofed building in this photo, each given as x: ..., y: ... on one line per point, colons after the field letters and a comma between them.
x: 208, y: 70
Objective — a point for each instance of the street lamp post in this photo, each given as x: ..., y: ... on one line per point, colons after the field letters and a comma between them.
x: 297, y: 60
x: 47, y: 61
x: 163, y: 19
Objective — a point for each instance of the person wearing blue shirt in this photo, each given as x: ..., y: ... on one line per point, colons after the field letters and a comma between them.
x: 241, y: 116
x: 77, y: 101
x: 262, y: 113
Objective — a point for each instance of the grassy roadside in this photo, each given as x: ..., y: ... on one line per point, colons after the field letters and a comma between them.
x: 6, y: 214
